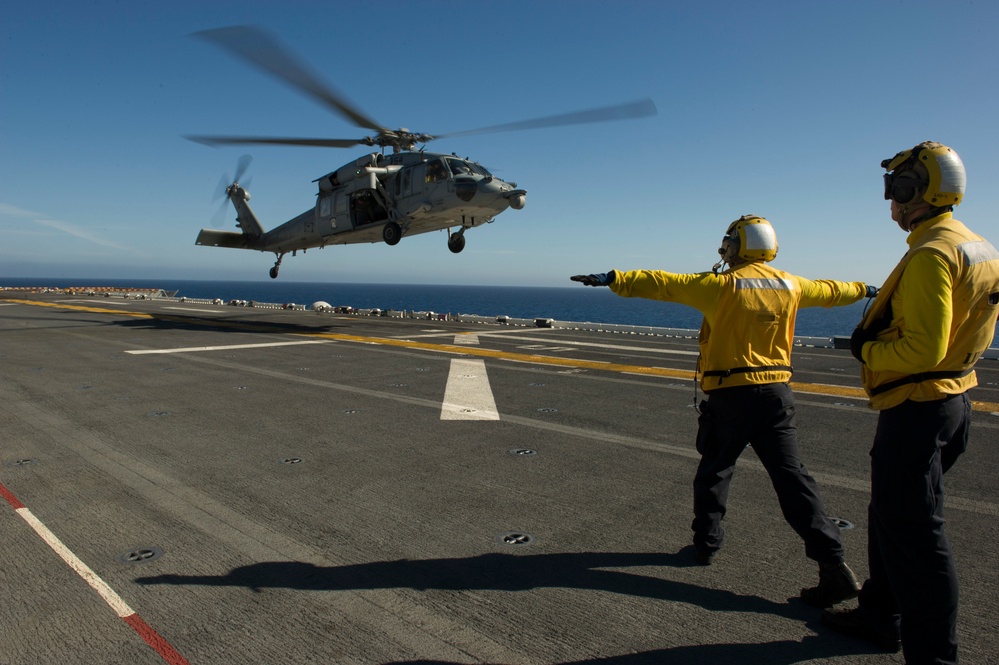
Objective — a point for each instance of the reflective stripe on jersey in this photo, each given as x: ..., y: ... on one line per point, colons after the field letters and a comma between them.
x: 774, y: 283
x: 977, y: 252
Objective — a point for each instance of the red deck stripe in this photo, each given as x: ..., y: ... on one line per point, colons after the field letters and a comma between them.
x: 154, y: 640
x: 11, y: 499
x: 145, y: 631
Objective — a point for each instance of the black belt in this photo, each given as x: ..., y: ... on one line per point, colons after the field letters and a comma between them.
x: 741, y: 370
x: 919, y: 378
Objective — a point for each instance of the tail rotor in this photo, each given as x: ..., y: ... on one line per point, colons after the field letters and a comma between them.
x: 226, y: 187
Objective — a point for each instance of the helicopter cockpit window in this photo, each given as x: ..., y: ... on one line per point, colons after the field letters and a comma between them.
x: 461, y: 167
x: 458, y: 167
x: 436, y: 171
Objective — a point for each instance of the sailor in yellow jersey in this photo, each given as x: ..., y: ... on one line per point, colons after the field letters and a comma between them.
x: 934, y: 317
x: 745, y: 365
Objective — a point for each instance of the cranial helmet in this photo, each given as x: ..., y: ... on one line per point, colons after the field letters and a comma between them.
x: 930, y: 169
x: 751, y: 238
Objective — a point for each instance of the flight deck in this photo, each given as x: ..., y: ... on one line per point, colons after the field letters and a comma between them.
x: 198, y: 483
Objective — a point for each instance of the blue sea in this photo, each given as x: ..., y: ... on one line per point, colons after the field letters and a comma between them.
x: 572, y: 303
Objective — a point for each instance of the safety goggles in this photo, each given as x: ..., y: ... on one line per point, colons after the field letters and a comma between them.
x: 901, y: 187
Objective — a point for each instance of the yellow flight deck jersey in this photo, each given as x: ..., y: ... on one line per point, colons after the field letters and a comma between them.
x: 943, y: 298
x: 749, y: 314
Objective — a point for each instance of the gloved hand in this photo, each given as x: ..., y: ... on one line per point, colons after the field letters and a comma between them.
x: 596, y: 279
x: 858, y: 339
x: 872, y: 291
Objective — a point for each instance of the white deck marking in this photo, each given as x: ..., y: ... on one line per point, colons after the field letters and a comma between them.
x: 467, y: 339
x: 468, y: 395
x: 194, y: 309
x: 74, y: 562
x: 190, y: 349
x: 103, y: 301
x: 114, y: 601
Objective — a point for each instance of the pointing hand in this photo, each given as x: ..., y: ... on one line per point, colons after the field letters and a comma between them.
x: 596, y: 279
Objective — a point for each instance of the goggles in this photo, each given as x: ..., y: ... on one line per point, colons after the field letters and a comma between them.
x: 901, y: 187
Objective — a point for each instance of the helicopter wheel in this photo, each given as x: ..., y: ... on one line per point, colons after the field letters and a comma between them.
x: 391, y: 233
x: 456, y: 243
x: 277, y: 265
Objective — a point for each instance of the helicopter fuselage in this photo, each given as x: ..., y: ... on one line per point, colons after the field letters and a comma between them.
x: 379, y: 198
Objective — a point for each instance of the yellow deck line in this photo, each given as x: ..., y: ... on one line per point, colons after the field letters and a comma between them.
x: 573, y: 363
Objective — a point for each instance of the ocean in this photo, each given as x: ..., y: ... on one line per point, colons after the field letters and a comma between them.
x: 571, y: 303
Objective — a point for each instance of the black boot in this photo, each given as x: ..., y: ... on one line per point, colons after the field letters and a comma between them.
x: 857, y: 623
x: 836, y: 584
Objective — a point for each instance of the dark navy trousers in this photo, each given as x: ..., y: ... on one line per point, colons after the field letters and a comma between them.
x: 761, y: 416
x: 912, y: 574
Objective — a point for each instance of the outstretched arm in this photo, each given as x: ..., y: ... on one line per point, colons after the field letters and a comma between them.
x: 830, y: 293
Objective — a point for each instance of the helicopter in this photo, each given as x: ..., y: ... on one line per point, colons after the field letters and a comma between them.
x: 379, y: 197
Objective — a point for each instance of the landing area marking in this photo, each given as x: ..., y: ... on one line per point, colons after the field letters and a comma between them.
x: 192, y: 349
x: 468, y: 395
x: 195, y: 309
x: 815, y: 388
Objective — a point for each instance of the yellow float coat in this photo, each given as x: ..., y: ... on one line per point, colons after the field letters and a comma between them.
x: 749, y: 314
x: 943, y: 314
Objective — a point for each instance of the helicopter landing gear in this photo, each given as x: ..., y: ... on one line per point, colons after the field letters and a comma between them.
x: 391, y: 233
x: 277, y: 266
x: 456, y: 241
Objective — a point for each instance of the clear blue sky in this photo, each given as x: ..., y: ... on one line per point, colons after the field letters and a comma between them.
x: 782, y: 109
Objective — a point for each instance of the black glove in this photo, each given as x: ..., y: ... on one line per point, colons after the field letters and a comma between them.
x: 872, y: 291
x: 596, y: 279
x: 858, y: 339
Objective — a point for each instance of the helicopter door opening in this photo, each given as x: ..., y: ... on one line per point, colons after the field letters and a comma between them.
x: 365, y: 209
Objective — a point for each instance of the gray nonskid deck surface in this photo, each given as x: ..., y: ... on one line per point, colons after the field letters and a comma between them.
x: 294, y: 488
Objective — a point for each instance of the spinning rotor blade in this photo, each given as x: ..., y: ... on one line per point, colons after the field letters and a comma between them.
x: 264, y: 140
x: 262, y: 50
x: 241, y: 166
x: 222, y: 189
x: 639, y: 109
x: 219, y: 217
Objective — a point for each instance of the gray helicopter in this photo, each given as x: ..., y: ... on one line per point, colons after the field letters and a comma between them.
x: 378, y: 197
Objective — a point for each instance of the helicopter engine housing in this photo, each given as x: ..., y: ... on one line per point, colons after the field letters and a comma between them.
x: 345, y: 174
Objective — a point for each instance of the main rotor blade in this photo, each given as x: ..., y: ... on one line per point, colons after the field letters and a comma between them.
x: 260, y: 49
x: 639, y: 109
x: 276, y: 140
